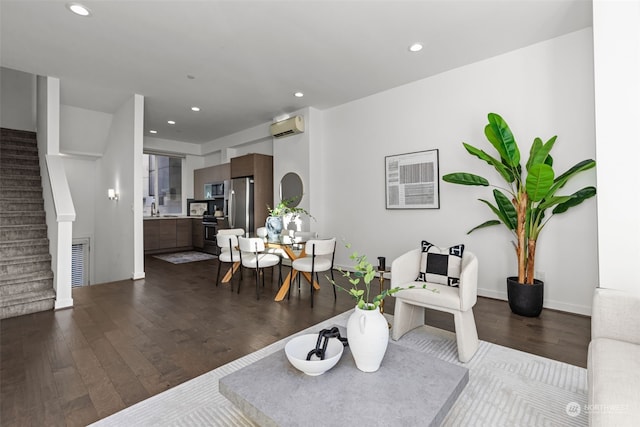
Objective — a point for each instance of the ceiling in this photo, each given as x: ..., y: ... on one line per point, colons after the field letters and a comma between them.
x: 246, y: 59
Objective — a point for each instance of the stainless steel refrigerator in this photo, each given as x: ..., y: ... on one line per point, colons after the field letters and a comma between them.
x: 241, y: 204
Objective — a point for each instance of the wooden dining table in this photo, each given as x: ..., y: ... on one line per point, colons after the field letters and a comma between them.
x: 292, y: 254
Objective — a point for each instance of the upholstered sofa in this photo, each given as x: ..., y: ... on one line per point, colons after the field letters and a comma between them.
x: 613, y: 364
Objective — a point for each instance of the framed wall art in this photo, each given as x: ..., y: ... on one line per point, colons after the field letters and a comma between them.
x: 412, y: 180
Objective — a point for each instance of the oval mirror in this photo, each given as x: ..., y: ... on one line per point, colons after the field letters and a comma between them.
x: 291, y: 188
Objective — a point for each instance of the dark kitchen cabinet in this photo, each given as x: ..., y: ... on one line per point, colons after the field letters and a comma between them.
x: 208, y: 175
x: 260, y: 167
x: 183, y: 233
x: 197, y: 233
x: 167, y: 234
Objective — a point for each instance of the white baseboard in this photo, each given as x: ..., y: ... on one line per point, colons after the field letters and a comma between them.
x: 63, y: 303
x: 137, y: 276
x: 502, y: 295
x: 551, y: 304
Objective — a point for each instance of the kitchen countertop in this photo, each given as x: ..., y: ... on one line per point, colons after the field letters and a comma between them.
x: 147, y: 218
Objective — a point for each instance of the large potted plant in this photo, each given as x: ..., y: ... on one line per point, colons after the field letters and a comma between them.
x: 274, y: 223
x: 526, y: 205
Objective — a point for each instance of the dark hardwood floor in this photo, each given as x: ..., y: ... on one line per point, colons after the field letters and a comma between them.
x: 126, y: 341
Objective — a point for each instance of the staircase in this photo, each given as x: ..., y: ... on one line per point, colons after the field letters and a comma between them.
x: 26, y: 279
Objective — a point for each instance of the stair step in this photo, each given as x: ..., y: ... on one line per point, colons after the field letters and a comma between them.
x: 11, y: 199
x: 21, y: 232
x: 28, y: 193
x: 22, y: 218
x: 17, y: 135
x: 24, y: 247
x: 14, y: 279
x: 8, y: 148
x: 29, y: 283
x: 26, y: 278
x: 19, y: 147
x: 25, y: 264
x: 27, y: 303
x: 14, y: 205
x: 8, y: 159
x: 19, y: 170
x: 20, y: 181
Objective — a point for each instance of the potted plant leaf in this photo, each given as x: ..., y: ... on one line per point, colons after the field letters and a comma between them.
x: 526, y: 205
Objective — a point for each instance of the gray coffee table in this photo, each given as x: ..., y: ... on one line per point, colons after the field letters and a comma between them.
x: 410, y: 389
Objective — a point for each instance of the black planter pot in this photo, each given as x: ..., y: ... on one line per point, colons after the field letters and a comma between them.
x: 525, y: 300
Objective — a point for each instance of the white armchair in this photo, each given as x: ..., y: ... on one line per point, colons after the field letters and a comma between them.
x: 459, y: 301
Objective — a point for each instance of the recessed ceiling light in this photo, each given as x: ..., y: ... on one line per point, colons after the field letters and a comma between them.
x: 79, y: 9
x: 171, y: 122
x: 153, y: 131
x: 195, y: 108
x: 190, y: 77
x: 416, y: 47
x: 298, y: 94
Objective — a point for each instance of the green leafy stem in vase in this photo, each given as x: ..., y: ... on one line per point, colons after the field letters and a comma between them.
x: 285, y: 208
x: 366, y: 272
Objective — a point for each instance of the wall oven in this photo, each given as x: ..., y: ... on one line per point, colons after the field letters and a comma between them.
x: 210, y: 225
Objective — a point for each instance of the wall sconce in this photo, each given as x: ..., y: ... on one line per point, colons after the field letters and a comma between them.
x: 112, y: 194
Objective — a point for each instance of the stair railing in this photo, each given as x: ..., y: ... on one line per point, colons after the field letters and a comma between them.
x: 61, y: 235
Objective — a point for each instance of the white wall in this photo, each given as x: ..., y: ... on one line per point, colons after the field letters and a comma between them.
x: 17, y: 100
x: 541, y: 90
x: 253, y: 140
x: 292, y: 154
x: 81, y: 175
x: 320, y: 200
x: 83, y: 131
x: 616, y: 28
x: 83, y: 139
x: 262, y: 146
x: 168, y: 146
x: 114, y: 230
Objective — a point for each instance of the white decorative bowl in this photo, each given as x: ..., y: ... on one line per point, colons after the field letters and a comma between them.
x: 298, y: 348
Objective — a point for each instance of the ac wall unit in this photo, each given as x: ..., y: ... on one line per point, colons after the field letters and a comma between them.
x: 287, y: 127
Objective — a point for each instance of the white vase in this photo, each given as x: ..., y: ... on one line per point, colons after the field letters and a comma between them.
x: 368, y: 336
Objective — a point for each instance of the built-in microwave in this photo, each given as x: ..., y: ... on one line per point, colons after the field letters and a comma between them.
x: 214, y: 190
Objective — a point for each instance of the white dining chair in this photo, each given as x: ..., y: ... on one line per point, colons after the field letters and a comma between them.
x: 262, y: 233
x: 319, y: 257
x: 234, y: 231
x: 253, y: 255
x: 229, y: 253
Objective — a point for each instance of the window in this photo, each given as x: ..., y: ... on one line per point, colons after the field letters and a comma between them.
x: 162, y: 184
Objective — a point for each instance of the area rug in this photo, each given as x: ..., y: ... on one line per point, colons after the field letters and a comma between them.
x: 506, y: 388
x: 183, y: 257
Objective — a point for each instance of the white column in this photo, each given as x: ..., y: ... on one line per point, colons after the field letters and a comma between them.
x: 138, y: 231
x: 616, y: 40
